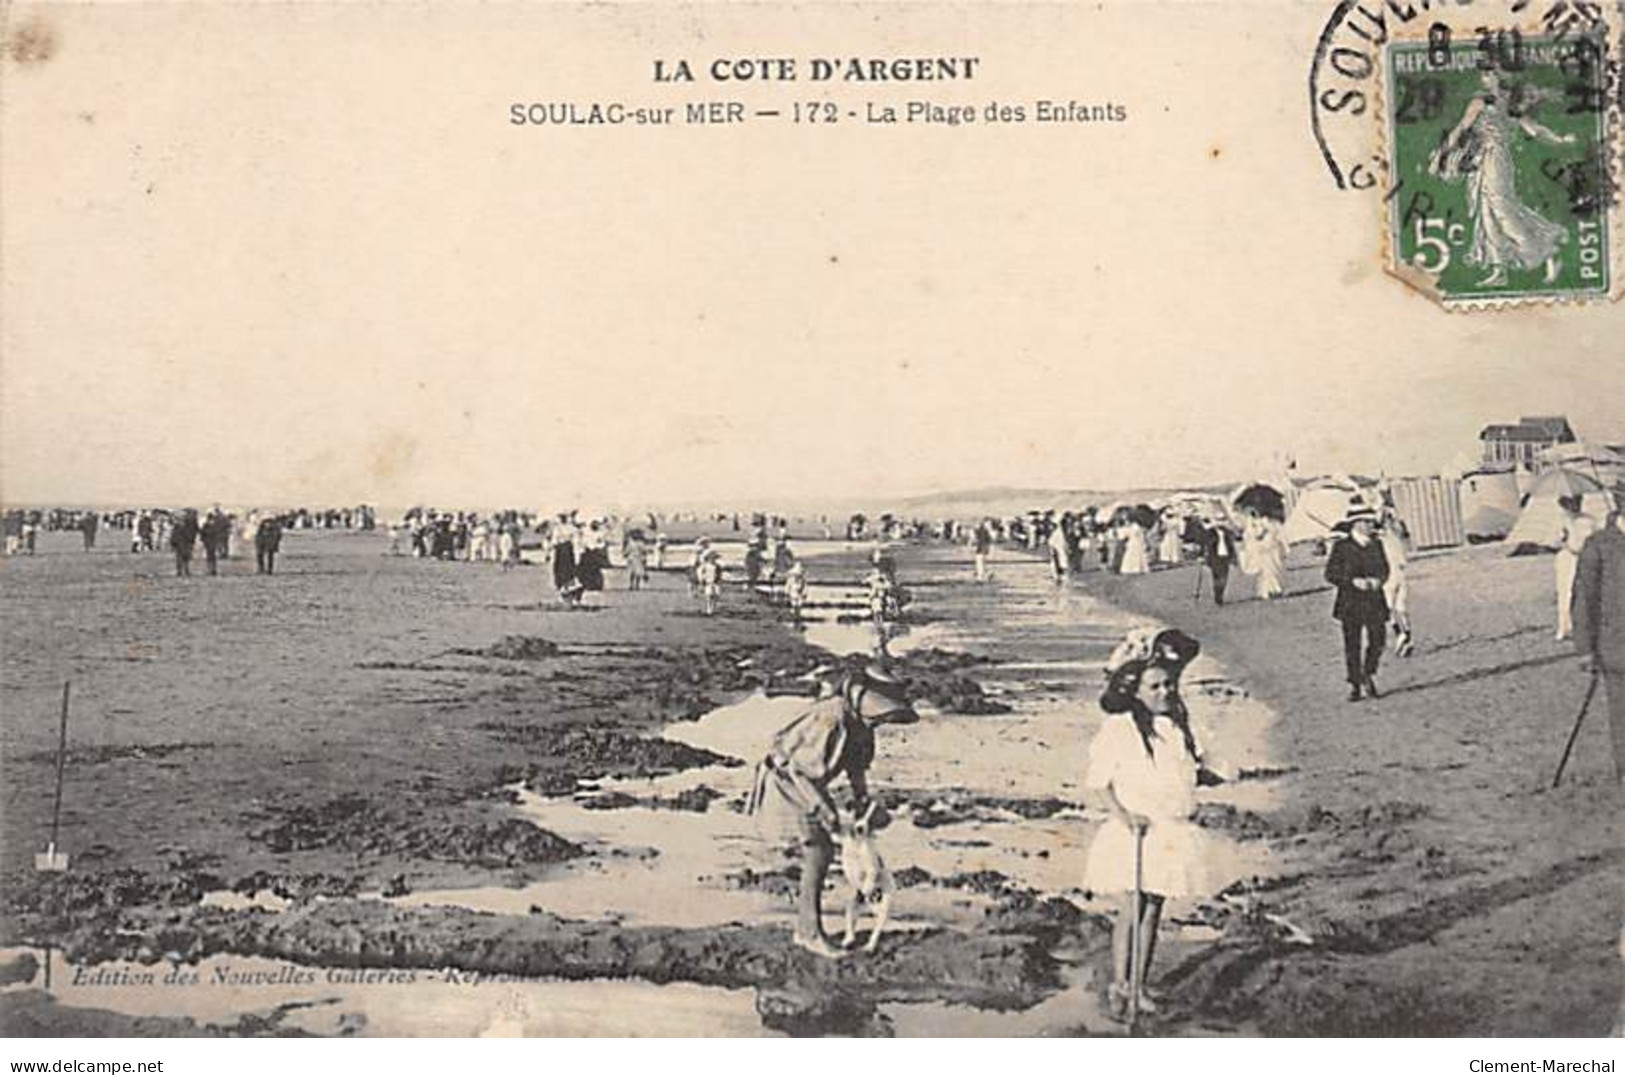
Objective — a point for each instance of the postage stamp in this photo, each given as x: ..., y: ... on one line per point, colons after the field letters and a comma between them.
x: 1500, y: 151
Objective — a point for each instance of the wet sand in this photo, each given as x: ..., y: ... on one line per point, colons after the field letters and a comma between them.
x: 434, y: 767
x: 375, y: 762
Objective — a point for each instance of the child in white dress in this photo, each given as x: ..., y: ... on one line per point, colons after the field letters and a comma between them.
x: 1145, y: 765
x: 708, y: 578
x: 795, y: 588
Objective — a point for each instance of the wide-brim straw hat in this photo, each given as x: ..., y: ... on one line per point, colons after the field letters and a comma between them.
x: 1362, y: 514
x: 877, y: 682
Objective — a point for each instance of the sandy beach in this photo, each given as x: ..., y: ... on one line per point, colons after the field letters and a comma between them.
x: 374, y: 785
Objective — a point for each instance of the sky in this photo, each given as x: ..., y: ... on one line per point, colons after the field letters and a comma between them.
x: 291, y: 254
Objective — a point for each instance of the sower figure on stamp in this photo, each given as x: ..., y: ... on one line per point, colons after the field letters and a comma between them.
x: 1358, y: 568
x: 1507, y: 232
x: 833, y: 738
x: 1599, y: 617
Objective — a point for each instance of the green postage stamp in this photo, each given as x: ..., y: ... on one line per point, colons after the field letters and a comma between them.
x: 1500, y: 146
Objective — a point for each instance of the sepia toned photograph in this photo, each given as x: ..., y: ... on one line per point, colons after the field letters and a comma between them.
x: 712, y: 520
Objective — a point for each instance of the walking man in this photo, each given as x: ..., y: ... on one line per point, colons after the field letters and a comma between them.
x: 1599, y: 617
x: 216, y: 537
x: 1358, y: 568
x: 833, y: 738
x: 1219, y: 551
x: 267, y: 540
x: 182, y: 539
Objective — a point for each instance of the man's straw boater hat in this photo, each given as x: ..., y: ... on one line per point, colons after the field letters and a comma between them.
x: 1361, y: 513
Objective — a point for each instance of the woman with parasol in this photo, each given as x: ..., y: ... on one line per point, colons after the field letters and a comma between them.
x: 1263, y: 548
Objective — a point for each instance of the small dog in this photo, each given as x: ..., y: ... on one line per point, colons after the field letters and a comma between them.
x: 866, y: 872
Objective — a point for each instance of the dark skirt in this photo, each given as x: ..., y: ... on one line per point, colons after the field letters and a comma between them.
x: 564, y: 565
x: 590, y: 571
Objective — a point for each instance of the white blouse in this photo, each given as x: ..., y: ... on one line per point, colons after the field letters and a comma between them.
x: 1162, y: 785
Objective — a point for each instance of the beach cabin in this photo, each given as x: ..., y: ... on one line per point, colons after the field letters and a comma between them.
x: 1430, y: 508
x: 1490, y: 503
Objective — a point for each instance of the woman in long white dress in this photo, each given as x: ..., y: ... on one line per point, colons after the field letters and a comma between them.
x: 1266, y: 553
x: 1172, y: 549
x: 1572, y: 534
x: 1136, y: 553
x: 1397, y: 590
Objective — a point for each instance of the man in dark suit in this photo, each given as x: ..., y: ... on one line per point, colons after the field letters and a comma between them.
x: 1358, y: 568
x: 1219, y: 550
x: 267, y: 540
x: 182, y: 539
x: 216, y: 534
x: 1599, y: 617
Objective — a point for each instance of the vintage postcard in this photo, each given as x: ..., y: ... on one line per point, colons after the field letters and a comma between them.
x: 925, y: 520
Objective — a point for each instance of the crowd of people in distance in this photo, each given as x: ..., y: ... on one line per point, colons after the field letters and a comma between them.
x: 1135, y: 540
x: 464, y: 535
x: 181, y: 532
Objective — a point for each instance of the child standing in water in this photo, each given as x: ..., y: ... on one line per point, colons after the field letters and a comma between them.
x: 708, y: 576
x: 1145, y: 765
x: 795, y: 588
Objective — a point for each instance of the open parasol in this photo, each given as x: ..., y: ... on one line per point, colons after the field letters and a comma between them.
x: 1262, y: 500
x: 1563, y: 482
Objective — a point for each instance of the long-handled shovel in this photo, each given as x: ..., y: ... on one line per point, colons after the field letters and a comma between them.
x: 1591, y: 692
x: 51, y: 860
x: 1134, y: 927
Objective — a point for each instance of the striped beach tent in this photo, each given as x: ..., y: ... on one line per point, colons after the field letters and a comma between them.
x: 1430, y: 508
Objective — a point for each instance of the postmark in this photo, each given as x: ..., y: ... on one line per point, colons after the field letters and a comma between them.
x: 1498, y: 145
x: 1523, y: 205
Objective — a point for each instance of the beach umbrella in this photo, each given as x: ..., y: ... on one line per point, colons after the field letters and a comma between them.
x: 1262, y: 500
x: 1144, y: 514
x: 1561, y: 481
x: 1582, y: 455
x: 1540, y: 524
x: 1209, y: 506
